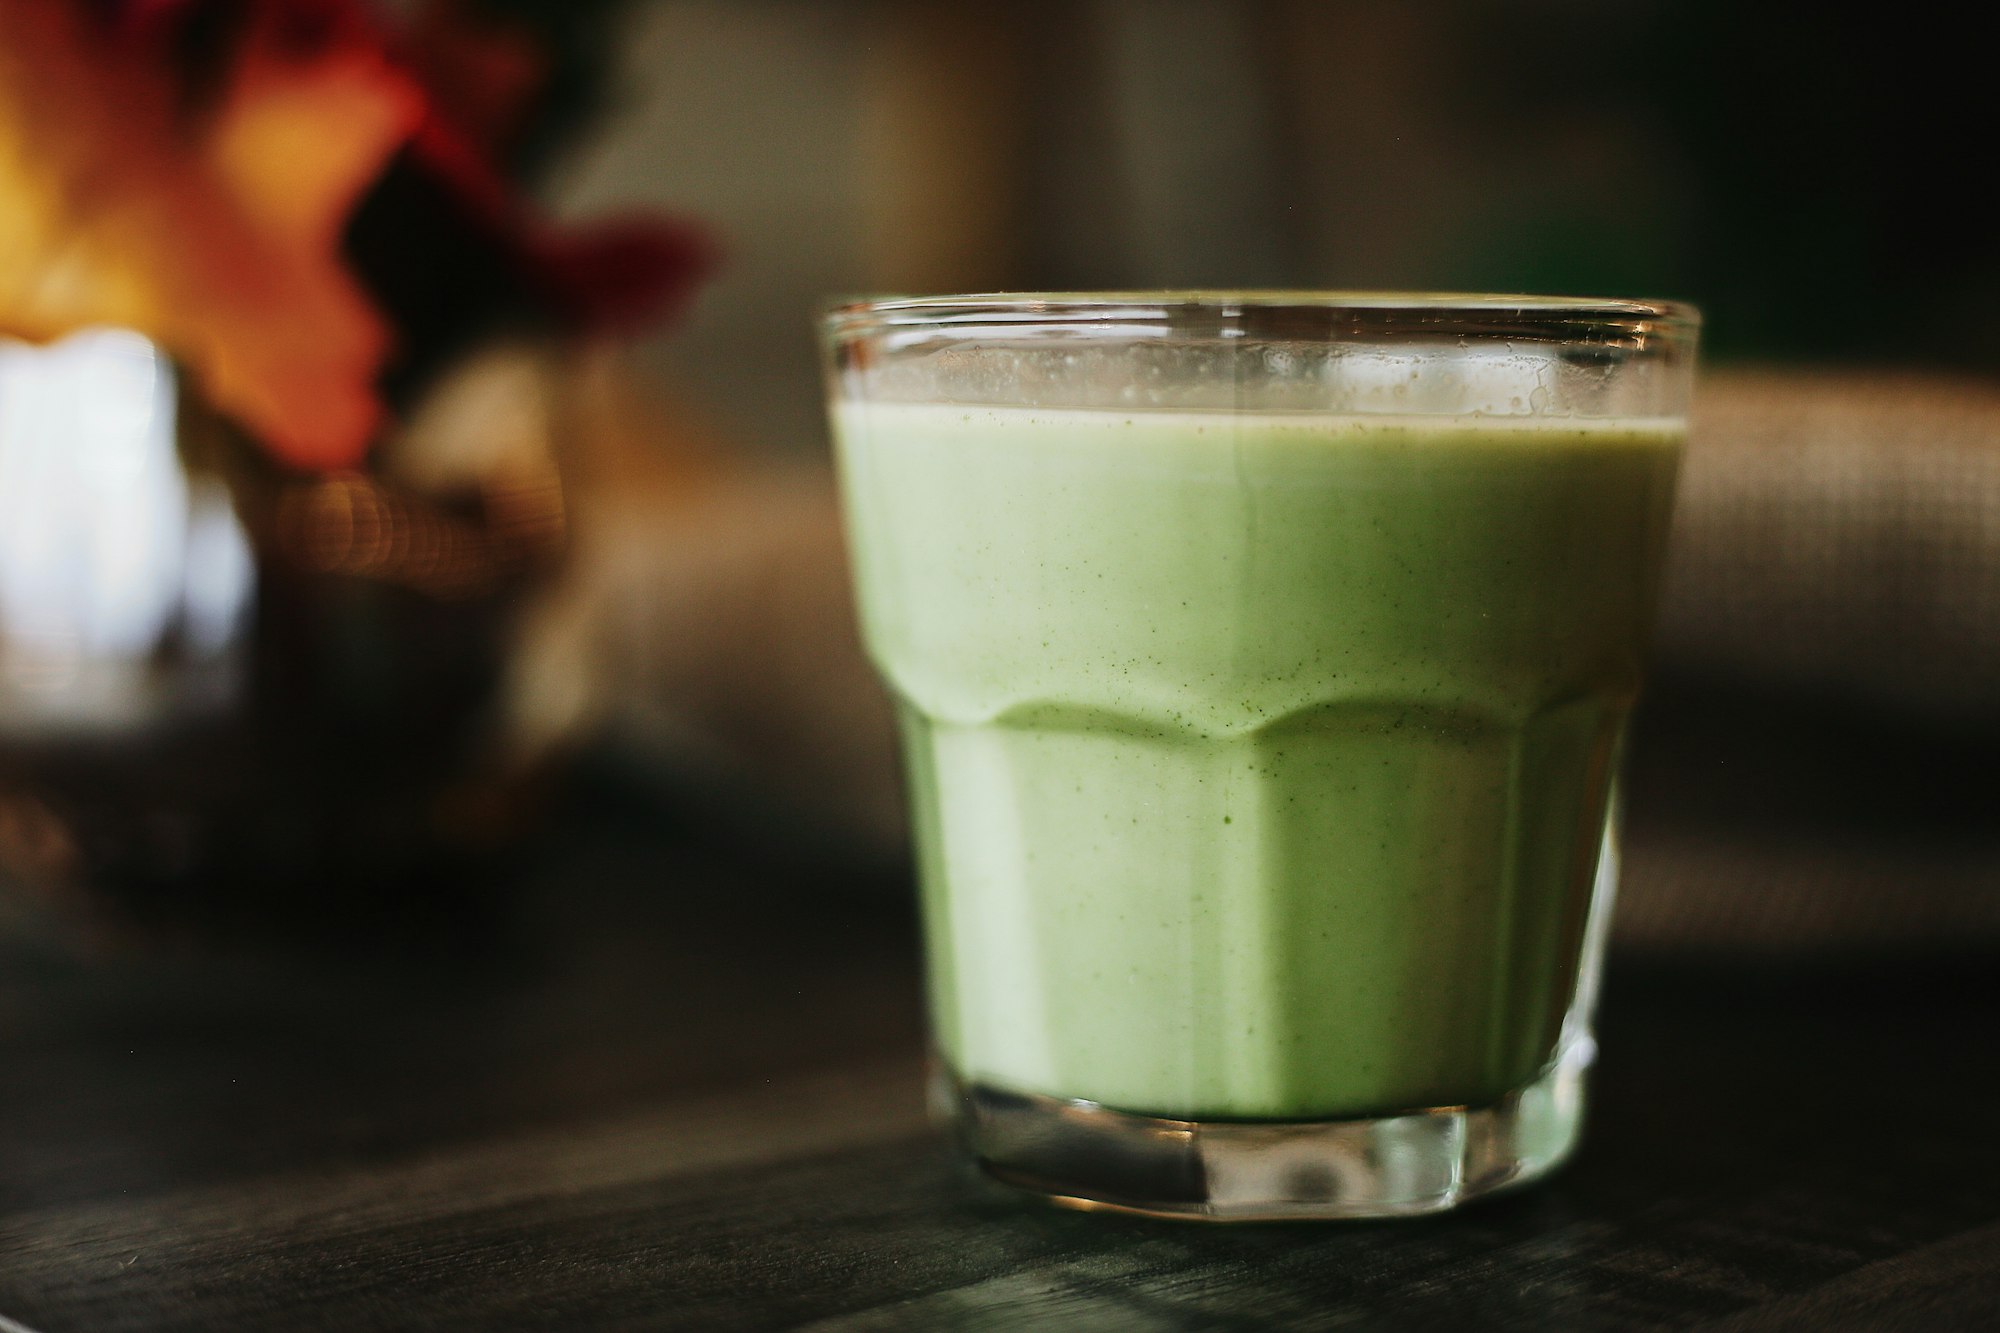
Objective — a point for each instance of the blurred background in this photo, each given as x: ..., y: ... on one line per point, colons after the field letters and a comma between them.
x: 1813, y: 185
x: 1815, y: 770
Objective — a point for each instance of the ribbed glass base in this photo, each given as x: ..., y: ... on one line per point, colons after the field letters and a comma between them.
x: 1083, y: 1155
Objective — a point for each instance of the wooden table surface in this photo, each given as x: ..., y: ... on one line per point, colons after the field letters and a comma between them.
x: 683, y: 1090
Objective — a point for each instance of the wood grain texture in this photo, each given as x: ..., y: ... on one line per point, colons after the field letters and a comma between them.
x: 690, y: 1097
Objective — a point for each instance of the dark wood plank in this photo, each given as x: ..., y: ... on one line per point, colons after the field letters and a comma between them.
x: 700, y: 1107
x: 1952, y: 1283
x: 626, y: 984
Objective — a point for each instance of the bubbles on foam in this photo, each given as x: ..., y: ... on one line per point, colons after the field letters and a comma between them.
x: 1473, y: 381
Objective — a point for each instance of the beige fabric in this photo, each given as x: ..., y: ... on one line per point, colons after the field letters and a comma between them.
x: 1837, y: 542
x: 1840, y: 533
x: 1700, y: 889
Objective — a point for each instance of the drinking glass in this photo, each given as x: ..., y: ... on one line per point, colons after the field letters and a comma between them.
x: 1262, y: 662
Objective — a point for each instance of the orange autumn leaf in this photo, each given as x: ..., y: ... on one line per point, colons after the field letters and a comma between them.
x: 212, y: 228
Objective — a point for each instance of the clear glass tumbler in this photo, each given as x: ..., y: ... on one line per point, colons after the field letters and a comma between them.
x: 1263, y: 661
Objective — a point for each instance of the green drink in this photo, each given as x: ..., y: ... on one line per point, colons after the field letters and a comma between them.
x: 1259, y: 756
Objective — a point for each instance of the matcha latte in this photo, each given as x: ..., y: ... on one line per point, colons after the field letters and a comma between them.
x: 1259, y: 762
x: 1263, y: 661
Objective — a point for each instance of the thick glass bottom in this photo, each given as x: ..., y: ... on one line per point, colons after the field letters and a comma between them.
x: 1083, y: 1155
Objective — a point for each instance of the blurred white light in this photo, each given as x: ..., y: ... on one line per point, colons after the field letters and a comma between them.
x: 103, y: 549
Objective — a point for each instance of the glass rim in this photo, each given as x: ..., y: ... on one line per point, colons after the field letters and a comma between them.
x: 1274, y: 313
